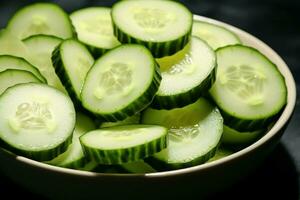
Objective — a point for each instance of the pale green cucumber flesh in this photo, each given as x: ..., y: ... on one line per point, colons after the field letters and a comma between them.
x: 74, y: 157
x: 221, y: 152
x: 94, y: 28
x: 151, y: 23
x: 195, y: 132
x: 234, y: 137
x: 18, y: 63
x: 122, y: 144
x: 152, y: 20
x: 41, y: 18
x: 11, y: 77
x: 36, y: 121
x: 244, y: 88
x: 216, y: 36
x: 186, y: 75
x: 72, y: 61
x: 138, y: 167
x: 89, y: 166
x: 135, y: 119
x: 11, y: 45
x: 41, y: 47
x: 121, y: 83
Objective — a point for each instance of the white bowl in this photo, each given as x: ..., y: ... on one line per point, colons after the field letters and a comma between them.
x: 201, y: 180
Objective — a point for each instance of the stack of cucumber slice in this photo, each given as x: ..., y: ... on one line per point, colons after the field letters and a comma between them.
x: 167, y: 90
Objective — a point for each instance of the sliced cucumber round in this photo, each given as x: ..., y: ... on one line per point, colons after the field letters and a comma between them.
x: 244, y: 88
x: 164, y: 27
x: 138, y: 167
x: 135, y: 119
x: 11, y: 77
x: 74, y: 157
x: 216, y: 36
x: 121, y: 83
x: 12, y: 62
x: 186, y: 75
x: 90, y: 166
x: 41, y: 47
x: 41, y: 18
x: 72, y: 61
x: 36, y: 121
x: 221, y: 153
x: 122, y: 144
x: 195, y: 132
x: 94, y: 28
x: 13, y: 46
x: 234, y: 137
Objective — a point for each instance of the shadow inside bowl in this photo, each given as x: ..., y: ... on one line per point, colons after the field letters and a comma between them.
x: 276, y: 178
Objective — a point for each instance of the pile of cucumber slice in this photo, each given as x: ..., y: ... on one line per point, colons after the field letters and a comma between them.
x: 137, y: 88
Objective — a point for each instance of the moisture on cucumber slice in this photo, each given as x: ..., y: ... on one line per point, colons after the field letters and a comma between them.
x: 11, y: 77
x: 11, y: 45
x: 74, y: 157
x: 94, y: 28
x: 249, y: 89
x: 12, y: 62
x: 135, y: 119
x: 41, y: 18
x: 186, y: 75
x: 195, y: 132
x: 121, y: 83
x: 138, y: 167
x: 41, y: 47
x: 216, y: 36
x: 234, y: 137
x: 164, y: 27
x: 36, y: 121
x: 122, y: 144
x: 72, y: 61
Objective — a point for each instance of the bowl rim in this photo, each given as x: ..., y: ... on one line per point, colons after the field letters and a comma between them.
x: 283, y: 119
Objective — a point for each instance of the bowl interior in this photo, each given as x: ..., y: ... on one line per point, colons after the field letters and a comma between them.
x: 247, y: 39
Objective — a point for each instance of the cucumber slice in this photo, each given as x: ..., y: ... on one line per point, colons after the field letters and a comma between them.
x: 135, y: 119
x: 12, y: 62
x: 72, y: 61
x: 244, y: 88
x: 121, y: 83
x: 164, y: 27
x: 90, y: 166
x: 41, y: 18
x: 74, y: 157
x: 36, y: 121
x: 186, y: 75
x: 122, y: 144
x: 94, y: 28
x: 11, y: 77
x: 234, y: 137
x: 11, y: 45
x: 195, y: 132
x: 41, y: 47
x: 216, y: 36
x: 138, y: 167
x: 221, y: 153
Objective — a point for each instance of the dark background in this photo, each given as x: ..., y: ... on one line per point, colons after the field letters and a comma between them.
x: 277, y: 23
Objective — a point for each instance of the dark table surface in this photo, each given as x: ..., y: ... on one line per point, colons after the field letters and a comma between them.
x: 276, y: 22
